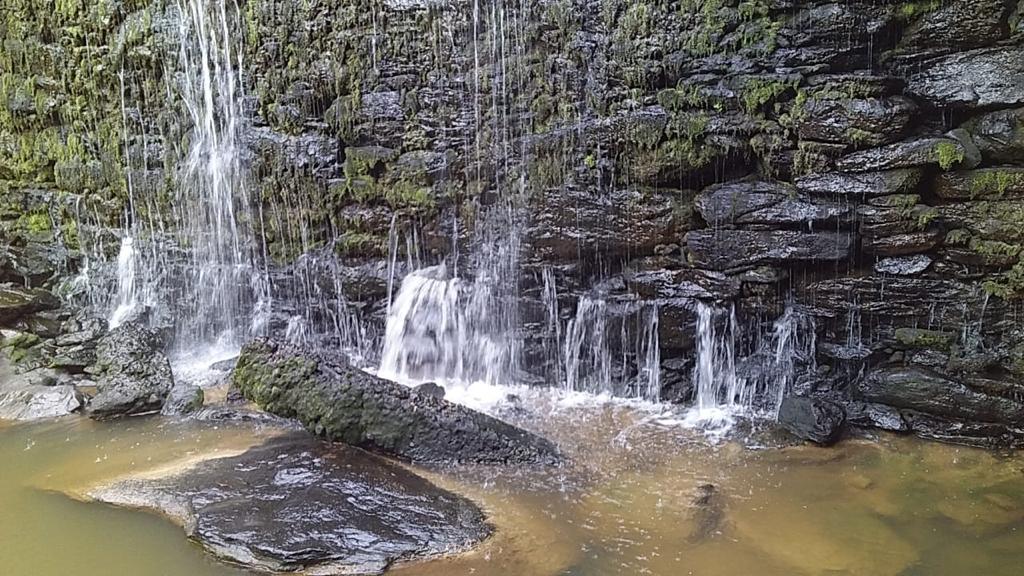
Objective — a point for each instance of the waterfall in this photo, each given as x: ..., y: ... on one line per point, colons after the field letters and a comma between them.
x: 127, y: 288
x: 213, y: 205
x: 726, y: 384
x: 598, y: 359
x: 443, y: 329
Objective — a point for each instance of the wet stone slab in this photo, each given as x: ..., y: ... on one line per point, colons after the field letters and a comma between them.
x: 298, y: 504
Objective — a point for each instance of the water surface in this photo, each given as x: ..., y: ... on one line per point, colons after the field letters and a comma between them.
x: 637, y: 499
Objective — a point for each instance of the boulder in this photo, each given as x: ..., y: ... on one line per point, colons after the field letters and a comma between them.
x: 727, y: 249
x: 981, y: 78
x: 184, y: 398
x: 858, y: 122
x: 568, y: 223
x: 956, y: 24
x: 769, y: 203
x: 343, y: 403
x: 134, y: 375
x: 17, y: 302
x: 819, y: 421
x: 900, y: 181
x: 946, y: 152
x: 295, y: 504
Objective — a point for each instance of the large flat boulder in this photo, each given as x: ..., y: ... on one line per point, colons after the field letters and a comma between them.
x: 297, y: 504
x: 341, y: 402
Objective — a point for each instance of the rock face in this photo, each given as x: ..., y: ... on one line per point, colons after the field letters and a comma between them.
x: 296, y: 504
x: 856, y: 161
x: 134, y: 375
x: 340, y: 402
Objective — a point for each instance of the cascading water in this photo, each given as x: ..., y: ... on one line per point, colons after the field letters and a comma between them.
x: 599, y: 359
x: 441, y: 329
x: 127, y: 287
x: 726, y: 384
x: 212, y: 206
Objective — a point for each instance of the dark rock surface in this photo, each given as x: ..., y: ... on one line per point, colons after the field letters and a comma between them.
x: 723, y: 250
x: 134, y: 376
x: 296, y: 504
x: 812, y: 419
x: 341, y: 402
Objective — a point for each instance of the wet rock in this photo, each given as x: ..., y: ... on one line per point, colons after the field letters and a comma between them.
x: 16, y: 302
x: 902, y: 244
x: 707, y: 513
x: 910, y: 154
x: 984, y: 183
x: 341, y: 402
x: 998, y: 135
x: 727, y: 249
x: 430, y: 389
x: 819, y: 421
x: 686, y: 283
x: 74, y: 359
x: 771, y: 203
x: 221, y: 413
x: 862, y: 184
x: 568, y: 224
x: 24, y: 401
x: 903, y: 266
x: 184, y: 398
x: 298, y: 505
x: 875, y: 416
x: 957, y: 24
x: 134, y: 375
x: 974, y: 79
x: 923, y: 338
x: 859, y: 122
x: 921, y: 390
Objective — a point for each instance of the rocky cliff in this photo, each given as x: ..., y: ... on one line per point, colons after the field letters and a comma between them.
x: 861, y: 162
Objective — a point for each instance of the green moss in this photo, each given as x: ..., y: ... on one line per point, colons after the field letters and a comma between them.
x: 908, y: 11
x: 920, y: 338
x: 948, y: 154
x: 37, y: 222
x: 757, y: 92
x: 994, y: 182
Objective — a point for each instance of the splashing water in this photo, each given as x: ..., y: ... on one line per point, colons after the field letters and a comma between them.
x: 723, y: 391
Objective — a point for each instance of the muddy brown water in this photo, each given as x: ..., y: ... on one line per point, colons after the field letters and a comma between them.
x: 640, y: 497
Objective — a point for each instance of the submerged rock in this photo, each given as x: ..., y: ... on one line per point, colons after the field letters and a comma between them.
x: 341, y: 402
x: 134, y: 375
x: 812, y: 419
x: 708, y: 513
x: 298, y: 504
